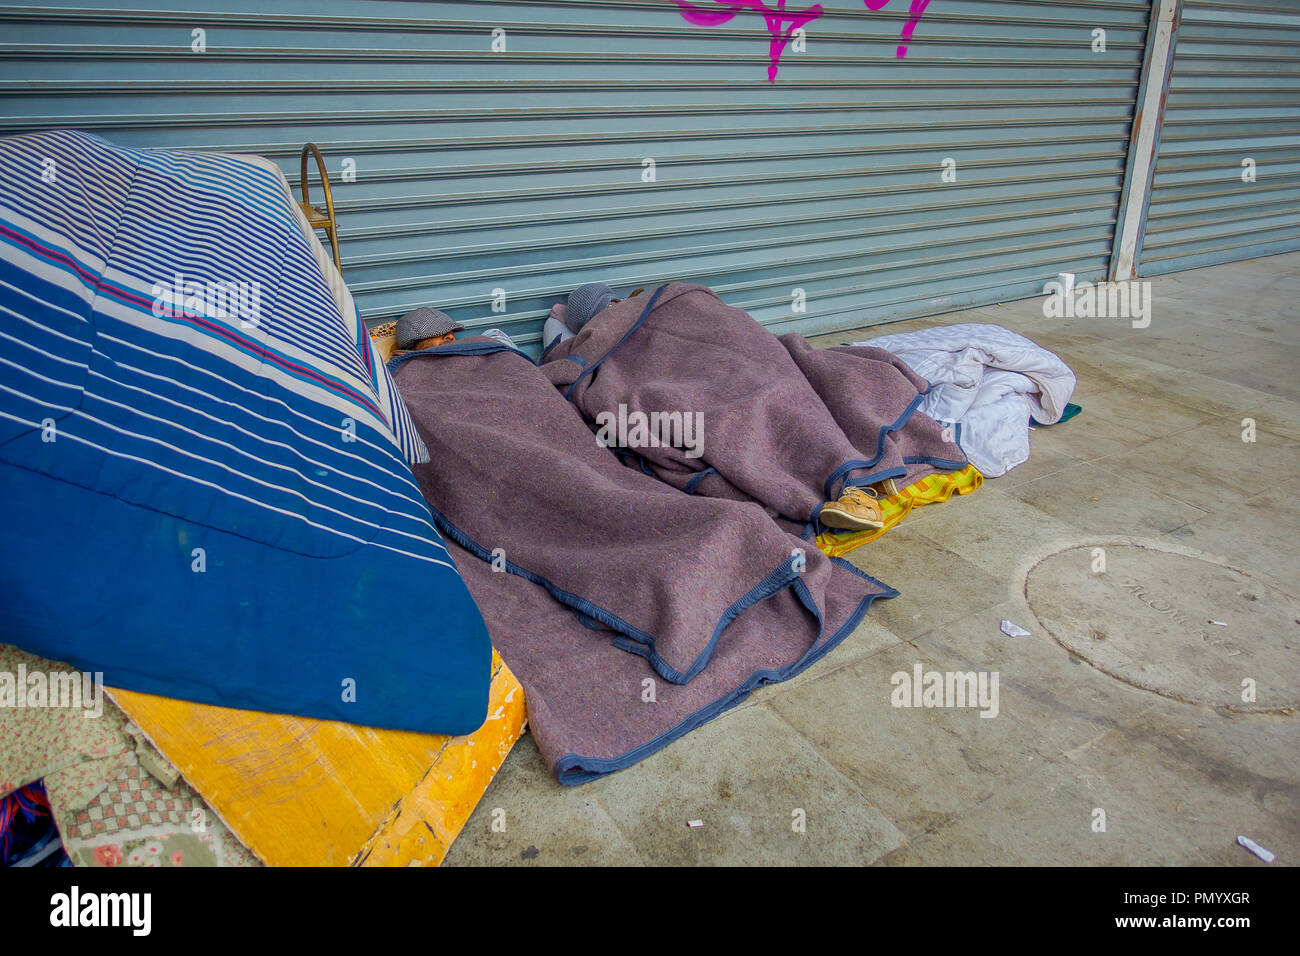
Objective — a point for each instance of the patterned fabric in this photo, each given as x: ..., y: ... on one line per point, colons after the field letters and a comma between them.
x: 138, y: 821
x: 37, y: 742
x: 204, y: 465
x: 987, y: 383
x: 109, y: 792
x: 139, y: 218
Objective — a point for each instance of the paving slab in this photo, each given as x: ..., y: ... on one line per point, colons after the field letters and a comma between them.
x: 1211, y: 464
x: 936, y: 584
x: 1095, y: 499
x: 1214, y: 398
x: 1207, y: 777
x: 921, y: 765
x: 996, y: 532
x: 527, y: 819
x: 1058, y: 700
x: 1258, y: 532
x: 762, y: 793
x: 1055, y: 815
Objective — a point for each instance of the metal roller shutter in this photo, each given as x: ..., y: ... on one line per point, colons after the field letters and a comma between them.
x: 1234, y: 94
x: 522, y: 170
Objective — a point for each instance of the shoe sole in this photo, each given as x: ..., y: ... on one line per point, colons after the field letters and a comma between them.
x: 847, y: 522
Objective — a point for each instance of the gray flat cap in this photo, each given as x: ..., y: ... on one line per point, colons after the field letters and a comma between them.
x: 585, y: 303
x: 424, y: 323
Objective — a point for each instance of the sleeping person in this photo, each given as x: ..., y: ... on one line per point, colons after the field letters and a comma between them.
x: 584, y: 304
x: 806, y: 432
x: 428, y: 328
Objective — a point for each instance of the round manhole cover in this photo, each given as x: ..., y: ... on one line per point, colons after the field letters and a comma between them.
x: 1148, y: 619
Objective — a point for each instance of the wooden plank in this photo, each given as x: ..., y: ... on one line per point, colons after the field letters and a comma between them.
x: 304, y: 792
x: 421, y: 829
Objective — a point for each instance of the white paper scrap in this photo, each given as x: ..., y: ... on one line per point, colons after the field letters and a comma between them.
x: 1266, y: 855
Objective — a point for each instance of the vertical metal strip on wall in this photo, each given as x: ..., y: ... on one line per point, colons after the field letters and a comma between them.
x: 523, y: 168
x: 1232, y: 113
x: 1144, y: 141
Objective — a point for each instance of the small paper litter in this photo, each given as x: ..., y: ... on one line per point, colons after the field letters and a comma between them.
x: 1266, y: 855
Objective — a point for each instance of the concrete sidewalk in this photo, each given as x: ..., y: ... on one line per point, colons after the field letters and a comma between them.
x: 1130, y: 729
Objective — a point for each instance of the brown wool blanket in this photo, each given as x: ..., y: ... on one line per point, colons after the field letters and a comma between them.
x: 595, y: 578
x: 783, y: 424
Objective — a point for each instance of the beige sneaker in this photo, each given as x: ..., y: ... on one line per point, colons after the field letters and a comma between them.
x: 856, y: 510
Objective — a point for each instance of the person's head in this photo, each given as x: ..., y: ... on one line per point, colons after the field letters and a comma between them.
x: 586, y: 302
x: 425, y: 328
x: 433, y: 341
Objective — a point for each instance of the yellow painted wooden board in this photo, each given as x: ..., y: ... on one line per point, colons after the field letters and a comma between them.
x: 304, y: 792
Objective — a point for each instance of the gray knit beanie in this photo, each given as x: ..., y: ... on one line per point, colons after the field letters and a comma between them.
x: 585, y: 303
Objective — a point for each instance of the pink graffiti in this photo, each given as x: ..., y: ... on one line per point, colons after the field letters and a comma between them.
x: 782, y: 24
x: 917, y: 9
x: 779, y: 23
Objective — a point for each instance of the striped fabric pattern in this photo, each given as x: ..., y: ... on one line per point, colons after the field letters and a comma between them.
x: 173, y: 339
x: 253, y: 408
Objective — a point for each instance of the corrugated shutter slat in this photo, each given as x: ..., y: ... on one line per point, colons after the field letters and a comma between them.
x: 522, y: 170
x: 1234, y: 94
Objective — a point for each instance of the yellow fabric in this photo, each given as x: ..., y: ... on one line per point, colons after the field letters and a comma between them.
x: 893, y: 509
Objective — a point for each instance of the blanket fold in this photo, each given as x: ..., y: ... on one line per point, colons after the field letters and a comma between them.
x: 783, y: 424
x: 593, y: 709
x: 874, y: 398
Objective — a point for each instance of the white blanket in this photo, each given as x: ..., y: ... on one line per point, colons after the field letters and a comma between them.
x: 988, y: 382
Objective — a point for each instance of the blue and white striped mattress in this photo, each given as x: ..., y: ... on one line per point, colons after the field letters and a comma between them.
x: 205, y: 484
